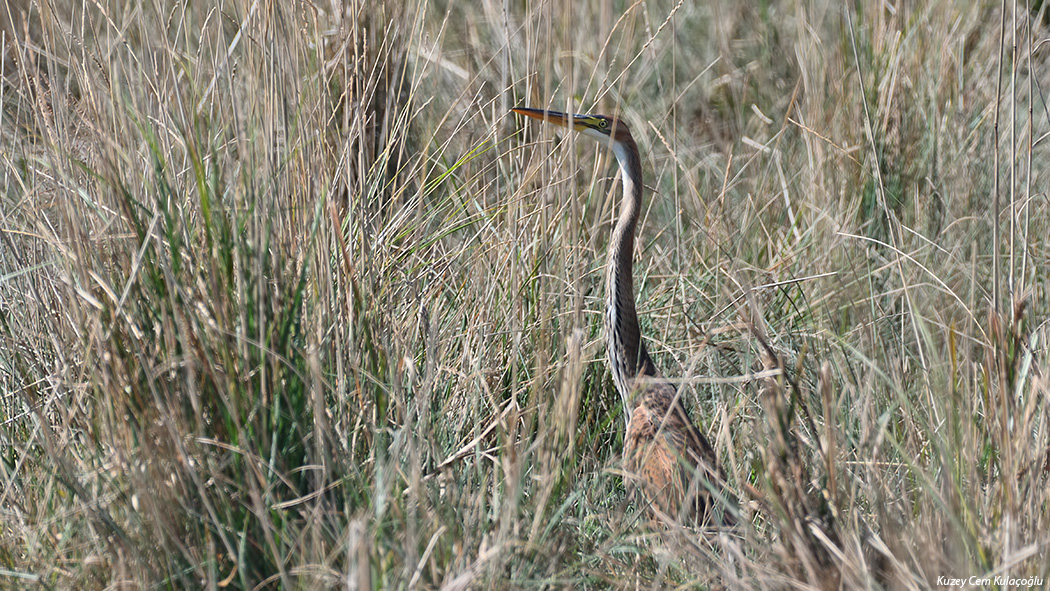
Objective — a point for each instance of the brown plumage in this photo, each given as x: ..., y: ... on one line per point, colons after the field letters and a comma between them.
x: 665, y: 455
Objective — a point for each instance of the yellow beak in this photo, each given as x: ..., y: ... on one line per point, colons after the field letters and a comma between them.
x: 554, y: 117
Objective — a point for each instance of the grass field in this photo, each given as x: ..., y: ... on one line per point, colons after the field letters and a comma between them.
x: 290, y: 300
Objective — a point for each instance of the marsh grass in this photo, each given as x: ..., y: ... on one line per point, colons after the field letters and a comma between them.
x: 287, y: 299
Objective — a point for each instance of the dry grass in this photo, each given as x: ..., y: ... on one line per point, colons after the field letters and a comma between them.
x: 287, y: 299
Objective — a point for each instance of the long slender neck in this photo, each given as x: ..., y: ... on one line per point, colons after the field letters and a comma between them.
x: 627, y: 355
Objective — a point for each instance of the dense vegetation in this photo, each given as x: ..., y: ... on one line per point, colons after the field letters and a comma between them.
x: 288, y: 299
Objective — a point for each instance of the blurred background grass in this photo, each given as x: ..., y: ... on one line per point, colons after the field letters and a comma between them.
x: 287, y: 299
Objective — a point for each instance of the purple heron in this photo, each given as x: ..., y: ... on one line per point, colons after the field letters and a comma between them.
x: 665, y: 455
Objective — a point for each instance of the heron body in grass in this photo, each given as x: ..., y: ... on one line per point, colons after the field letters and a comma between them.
x: 665, y: 454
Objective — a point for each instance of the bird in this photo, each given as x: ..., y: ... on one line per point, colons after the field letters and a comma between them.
x: 666, y: 457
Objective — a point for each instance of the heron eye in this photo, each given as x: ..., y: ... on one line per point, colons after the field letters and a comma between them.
x: 603, y: 123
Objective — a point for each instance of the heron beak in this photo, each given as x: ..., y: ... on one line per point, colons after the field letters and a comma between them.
x: 560, y: 119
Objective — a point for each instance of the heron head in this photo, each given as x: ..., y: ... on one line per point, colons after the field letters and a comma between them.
x: 606, y: 130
